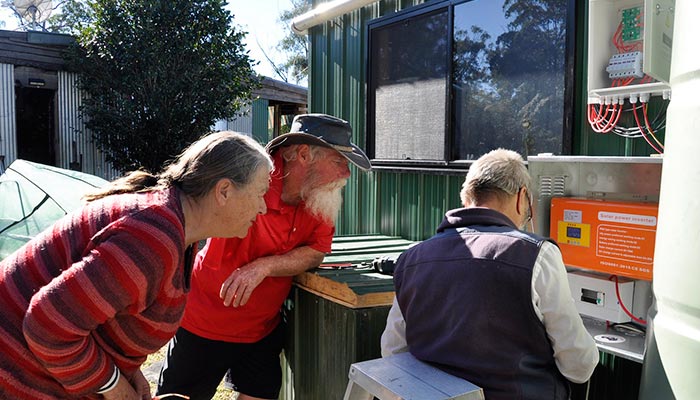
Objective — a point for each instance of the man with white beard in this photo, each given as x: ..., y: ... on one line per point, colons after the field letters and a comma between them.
x: 232, y: 319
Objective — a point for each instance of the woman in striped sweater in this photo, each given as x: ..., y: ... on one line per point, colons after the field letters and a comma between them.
x: 84, y: 303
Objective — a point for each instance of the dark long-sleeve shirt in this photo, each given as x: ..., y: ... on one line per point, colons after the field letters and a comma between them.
x: 103, y: 287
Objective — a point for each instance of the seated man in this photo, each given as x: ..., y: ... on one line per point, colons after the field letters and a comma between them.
x: 488, y: 302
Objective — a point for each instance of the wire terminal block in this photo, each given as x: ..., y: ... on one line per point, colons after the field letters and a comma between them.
x: 625, y: 65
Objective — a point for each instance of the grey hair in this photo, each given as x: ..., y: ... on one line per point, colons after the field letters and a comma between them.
x: 216, y: 156
x: 499, y: 173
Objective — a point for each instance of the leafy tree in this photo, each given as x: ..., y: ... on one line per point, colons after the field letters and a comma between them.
x: 74, y: 16
x: 295, y: 46
x: 158, y: 74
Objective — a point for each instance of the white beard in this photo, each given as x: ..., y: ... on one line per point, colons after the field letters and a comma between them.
x: 325, y: 201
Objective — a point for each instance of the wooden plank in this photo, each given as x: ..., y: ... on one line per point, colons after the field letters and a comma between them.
x: 342, y: 293
x: 361, y: 280
x: 363, y: 301
x: 355, y: 287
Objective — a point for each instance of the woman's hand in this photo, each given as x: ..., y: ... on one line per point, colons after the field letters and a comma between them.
x: 141, y: 385
x: 137, y: 389
x: 123, y: 391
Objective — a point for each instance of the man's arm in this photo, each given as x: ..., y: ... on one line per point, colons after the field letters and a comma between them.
x: 393, y: 339
x: 575, y: 351
x: 238, y: 287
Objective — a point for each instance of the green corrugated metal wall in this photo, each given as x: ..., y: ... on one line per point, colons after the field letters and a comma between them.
x: 403, y: 203
x: 321, y: 324
x: 411, y: 204
x: 260, y: 112
x: 391, y: 203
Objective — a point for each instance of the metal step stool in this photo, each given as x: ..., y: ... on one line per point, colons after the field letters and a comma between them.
x: 403, y: 377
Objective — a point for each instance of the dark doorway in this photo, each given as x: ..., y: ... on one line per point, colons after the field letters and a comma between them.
x: 35, y: 125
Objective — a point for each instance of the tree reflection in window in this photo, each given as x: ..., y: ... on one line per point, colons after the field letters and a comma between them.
x: 508, y: 76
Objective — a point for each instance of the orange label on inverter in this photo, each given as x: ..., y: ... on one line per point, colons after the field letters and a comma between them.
x: 608, y: 236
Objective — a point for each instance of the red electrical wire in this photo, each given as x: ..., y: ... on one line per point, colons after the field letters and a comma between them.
x: 651, y: 132
x: 617, y: 117
x: 641, y: 129
x: 615, y: 36
x: 597, y: 119
x: 619, y: 300
x: 620, y: 44
x: 593, y: 117
x: 601, y: 118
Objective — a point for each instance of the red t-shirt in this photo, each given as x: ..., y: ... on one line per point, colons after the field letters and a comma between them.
x: 280, y: 230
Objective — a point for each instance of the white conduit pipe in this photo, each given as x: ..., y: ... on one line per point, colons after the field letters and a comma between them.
x: 325, y: 12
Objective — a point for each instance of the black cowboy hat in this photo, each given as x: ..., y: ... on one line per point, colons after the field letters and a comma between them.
x: 322, y: 130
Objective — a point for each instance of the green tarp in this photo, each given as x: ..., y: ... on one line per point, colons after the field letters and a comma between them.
x: 33, y: 196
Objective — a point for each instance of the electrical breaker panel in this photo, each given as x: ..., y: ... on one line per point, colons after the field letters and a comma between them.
x: 629, y: 49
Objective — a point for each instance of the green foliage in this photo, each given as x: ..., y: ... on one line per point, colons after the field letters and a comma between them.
x: 157, y: 74
x: 296, y: 46
x: 75, y: 15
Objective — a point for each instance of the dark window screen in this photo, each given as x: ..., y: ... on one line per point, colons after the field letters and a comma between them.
x: 409, y: 66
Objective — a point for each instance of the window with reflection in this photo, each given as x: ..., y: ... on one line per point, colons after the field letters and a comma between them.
x: 449, y: 81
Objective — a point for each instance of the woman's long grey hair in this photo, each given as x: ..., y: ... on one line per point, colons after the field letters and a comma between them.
x: 199, y: 167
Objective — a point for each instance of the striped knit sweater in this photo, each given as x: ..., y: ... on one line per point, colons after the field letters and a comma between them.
x: 103, y: 287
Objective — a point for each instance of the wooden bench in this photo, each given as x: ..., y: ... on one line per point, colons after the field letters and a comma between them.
x: 402, y: 376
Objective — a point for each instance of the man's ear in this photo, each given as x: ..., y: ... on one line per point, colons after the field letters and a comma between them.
x: 521, y: 202
x: 304, y: 153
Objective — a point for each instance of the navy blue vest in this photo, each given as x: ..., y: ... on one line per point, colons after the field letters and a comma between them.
x: 466, y: 297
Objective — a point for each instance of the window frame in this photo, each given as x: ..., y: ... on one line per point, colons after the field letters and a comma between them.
x: 448, y: 166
